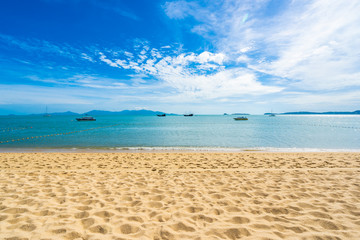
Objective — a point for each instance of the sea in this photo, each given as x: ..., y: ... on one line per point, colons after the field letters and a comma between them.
x: 197, y: 133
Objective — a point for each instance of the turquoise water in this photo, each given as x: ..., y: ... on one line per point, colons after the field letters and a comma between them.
x: 209, y: 132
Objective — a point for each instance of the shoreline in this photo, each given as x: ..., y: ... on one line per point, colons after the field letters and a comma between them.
x: 175, y: 149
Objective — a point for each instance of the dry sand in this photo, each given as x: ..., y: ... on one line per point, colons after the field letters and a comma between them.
x: 180, y: 195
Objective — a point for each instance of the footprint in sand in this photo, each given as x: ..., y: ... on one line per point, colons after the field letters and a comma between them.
x: 73, y: 235
x: 15, y: 210
x: 157, y: 198
x: 84, y: 208
x: 28, y: 227
x: 328, y: 225
x: 81, y: 215
x: 320, y: 215
x: 155, y: 204
x: 100, y: 229
x: 231, y: 233
x: 239, y: 220
x: 122, y: 209
x: 235, y: 233
x: 202, y: 217
x: 16, y: 220
x: 45, y: 213
x: 233, y: 209
x: 194, y: 209
x: 136, y: 203
x: 217, y: 211
x: 164, y: 217
x: 129, y: 229
x: 217, y: 196
x: 135, y: 219
x: 104, y: 214
x: 182, y: 227
x: 87, y: 222
x: 59, y: 231
x: 276, y: 211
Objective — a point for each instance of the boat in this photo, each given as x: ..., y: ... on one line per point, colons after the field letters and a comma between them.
x: 46, y: 114
x: 86, y: 118
x: 240, y: 118
x: 188, y: 115
x: 272, y: 114
x: 161, y: 115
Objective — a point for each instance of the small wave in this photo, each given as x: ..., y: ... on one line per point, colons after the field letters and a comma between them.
x: 174, y: 149
x: 221, y: 149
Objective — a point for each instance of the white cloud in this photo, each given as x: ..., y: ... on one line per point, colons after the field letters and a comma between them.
x: 206, y: 56
x: 322, y: 50
x: 311, y: 47
x: 226, y: 83
x: 105, y: 60
x: 178, y: 9
x: 202, y: 76
x: 128, y: 54
x: 312, y: 44
x: 225, y: 22
x: 243, y: 59
x: 87, y: 57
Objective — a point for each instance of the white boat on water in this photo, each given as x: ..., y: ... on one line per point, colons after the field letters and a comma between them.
x: 272, y: 114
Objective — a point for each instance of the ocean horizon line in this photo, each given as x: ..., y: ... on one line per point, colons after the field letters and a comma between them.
x: 147, y: 112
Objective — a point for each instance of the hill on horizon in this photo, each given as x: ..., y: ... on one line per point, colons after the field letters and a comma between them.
x: 314, y: 113
x: 142, y: 112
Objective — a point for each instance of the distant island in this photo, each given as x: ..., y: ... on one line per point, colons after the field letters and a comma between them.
x: 106, y: 113
x: 127, y: 113
x: 316, y: 113
x: 144, y: 112
x: 240, y: 114
x: 68, y: 113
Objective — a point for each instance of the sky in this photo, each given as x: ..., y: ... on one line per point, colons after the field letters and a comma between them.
x: 202, y: 57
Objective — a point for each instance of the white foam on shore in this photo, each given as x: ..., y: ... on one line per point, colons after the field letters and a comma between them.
x: 171, y: 149
x: 214, y: 149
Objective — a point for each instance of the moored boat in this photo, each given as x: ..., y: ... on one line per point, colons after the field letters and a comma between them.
x: 46, y: 114
x: 86, y: 118
x: 240, y: 118
x: 188, y: 115
x: 161, y: 115
x: 272, y: 114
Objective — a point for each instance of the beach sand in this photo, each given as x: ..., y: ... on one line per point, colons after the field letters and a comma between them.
x: 248, y: 195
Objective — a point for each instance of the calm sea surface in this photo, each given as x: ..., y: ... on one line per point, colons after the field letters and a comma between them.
x: 205, y: 132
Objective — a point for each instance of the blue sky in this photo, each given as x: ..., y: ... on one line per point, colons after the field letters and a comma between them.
x: 206, y: 57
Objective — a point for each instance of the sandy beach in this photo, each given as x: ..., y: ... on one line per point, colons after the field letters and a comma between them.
x: 248, y: 195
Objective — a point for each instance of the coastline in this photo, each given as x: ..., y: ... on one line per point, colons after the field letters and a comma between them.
x: 171, y: 150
